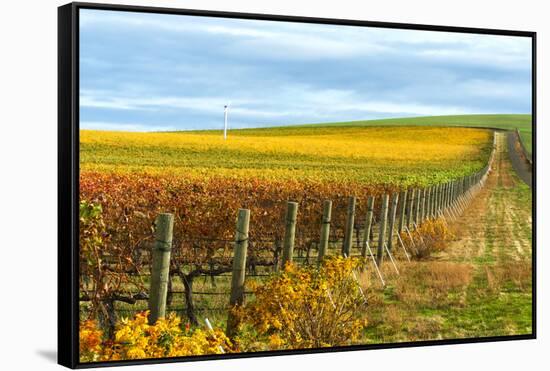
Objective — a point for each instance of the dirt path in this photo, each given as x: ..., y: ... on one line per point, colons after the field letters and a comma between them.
x: 497, y: 225
x: 481, y: 284
x: 494, y: 238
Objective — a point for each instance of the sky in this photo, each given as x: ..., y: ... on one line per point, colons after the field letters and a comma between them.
x: 158, y: 72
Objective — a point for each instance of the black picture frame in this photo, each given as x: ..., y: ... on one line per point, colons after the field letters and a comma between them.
x: 68, y: 177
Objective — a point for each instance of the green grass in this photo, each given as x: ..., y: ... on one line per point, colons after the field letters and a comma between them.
x: 491, y: 315
x: 502, y: 121
x: 527, y: 138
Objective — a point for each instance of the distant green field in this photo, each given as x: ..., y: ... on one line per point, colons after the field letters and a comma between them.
x: 505, y: 122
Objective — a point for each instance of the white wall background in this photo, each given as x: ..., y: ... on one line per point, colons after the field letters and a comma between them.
x: 28, y: 148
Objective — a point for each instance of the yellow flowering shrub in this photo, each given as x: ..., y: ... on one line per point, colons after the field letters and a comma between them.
x: 136, y: 339
x: 305, y: 307
x: 431, y: 237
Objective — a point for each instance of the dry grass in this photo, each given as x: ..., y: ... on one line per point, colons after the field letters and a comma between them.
x: 516, y: 273
x: 386, y: 322
x: 436, y: 284
x: 425, y: 328
x: 395, y: 312
x: 393, y: 319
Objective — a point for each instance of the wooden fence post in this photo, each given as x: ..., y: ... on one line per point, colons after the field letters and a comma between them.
x: 455, y: 191
x: 423, y: 212
x: 393, y: 210
x: 451, y: 189
x: 450, y: 196
x: 348, y: 232
x: 382, y: 232
x: 402, y: 208
x: 410, y: 204
x: 429, y: 193
x: 444, y: 196
x: 438, y: 202
x: 441, y: 194
x: 417, y: 207
x: 436, y: 198
x: 239, y: 269
x: 290, y: 231
x: 429, y: 203
x: 325, y: 230
x: 450, y: 200
x: 160, y: 268
x: 368, y: 225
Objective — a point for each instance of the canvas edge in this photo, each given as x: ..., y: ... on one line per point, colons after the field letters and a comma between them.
x: 68, y: 176
x: 67, y: 190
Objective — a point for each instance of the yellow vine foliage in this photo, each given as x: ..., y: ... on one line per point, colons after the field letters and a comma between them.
x: 401, y: 156
x: 90, y: 341
x: 305, y: 307
x: 373, y: 143
x: 136, y: 339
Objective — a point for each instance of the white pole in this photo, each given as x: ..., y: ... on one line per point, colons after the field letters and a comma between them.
x: 209, y: 326
x: 225, y: 122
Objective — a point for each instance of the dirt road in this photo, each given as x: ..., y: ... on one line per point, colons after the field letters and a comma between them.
x: 481, y: 284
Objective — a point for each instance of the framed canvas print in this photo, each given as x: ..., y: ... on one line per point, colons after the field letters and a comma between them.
x: 239, y: 185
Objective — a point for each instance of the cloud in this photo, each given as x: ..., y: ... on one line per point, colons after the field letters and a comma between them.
x: 329, y: 104
x: 270, y: 39
x: 103, y: 99
x: 118, y: 126
x: 495, y: 89
x: 295, y: 40
x: 156, y: 70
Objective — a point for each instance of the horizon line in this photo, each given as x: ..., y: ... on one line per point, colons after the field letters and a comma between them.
x: 316, y: 124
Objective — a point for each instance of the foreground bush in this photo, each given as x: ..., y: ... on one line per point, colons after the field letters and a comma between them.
x: 136, y: 339
x: 431, y: 237
x: 305, y: 307
x: 302, y: 307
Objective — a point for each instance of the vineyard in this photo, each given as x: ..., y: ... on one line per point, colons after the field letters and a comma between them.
x: 375, y: 157
x: 383, y: 198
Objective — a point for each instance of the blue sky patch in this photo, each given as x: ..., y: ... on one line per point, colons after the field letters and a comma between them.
x: 151, y: 72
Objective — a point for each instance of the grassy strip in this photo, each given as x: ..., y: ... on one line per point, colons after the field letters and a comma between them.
x: 488, y: 293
